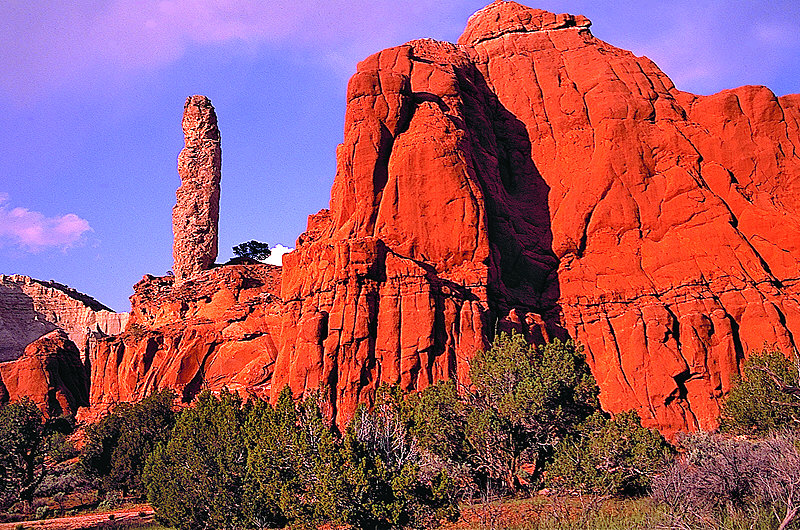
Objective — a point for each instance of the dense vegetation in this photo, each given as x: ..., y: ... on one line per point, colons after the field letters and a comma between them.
x: 530, y: 419
x: 29, y: 449
x: 117, y: 446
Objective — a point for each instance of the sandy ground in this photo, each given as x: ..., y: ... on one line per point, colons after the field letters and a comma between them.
x: 127, y: 515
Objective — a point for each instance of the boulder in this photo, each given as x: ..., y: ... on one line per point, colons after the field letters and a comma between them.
x: 50, y: 373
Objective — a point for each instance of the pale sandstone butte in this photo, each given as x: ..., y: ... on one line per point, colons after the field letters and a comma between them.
x: 31, y: 308
x: 535, y: 178
x: 50, y: 372
x: 196, y: 212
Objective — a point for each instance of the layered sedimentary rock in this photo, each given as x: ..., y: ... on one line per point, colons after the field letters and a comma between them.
x: 530, y: 178
x: 196, y: 213
x: 217, y: 329
x: 50, y: 372
x: 31, y: 308
x: 209, y: 327
x: 533, y: 177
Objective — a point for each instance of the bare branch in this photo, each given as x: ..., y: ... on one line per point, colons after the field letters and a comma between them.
x: 786, y: 388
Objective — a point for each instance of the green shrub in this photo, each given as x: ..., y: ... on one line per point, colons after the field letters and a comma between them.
x: 440, y: 421
x: 43, y: 512
x: 197, y: 479
x: 500, y: 432
x: 293, y: 467
x: 523, y: 401
x: 117, y: 446
x: 765, y: 397
x: 609, y: 456
x: 389, y: 483
x: 113, y: 499
x: 29, y: 449
x: 439, y: 425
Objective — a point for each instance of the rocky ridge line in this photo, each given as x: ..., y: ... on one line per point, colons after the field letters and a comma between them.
x: 31, y: 308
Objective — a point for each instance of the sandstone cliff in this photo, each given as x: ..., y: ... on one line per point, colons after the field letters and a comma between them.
x: 31, y: 308
x: 50, y: 373
x: 530, y: 177
x: 534, y: 177
x: 217, y: 329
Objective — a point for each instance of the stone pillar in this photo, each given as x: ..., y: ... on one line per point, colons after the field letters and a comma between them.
x: 196, y: 213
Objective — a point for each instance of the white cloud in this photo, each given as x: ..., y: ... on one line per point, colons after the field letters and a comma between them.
x: 277, y: 251
x: 34, y: 232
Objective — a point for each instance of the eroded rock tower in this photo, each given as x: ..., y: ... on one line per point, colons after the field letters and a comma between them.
x: 196, y: 213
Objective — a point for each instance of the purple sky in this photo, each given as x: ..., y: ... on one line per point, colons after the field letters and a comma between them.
x: 91, y: 95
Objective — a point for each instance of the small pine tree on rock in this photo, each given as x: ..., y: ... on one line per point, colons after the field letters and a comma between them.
x: 253, y: 249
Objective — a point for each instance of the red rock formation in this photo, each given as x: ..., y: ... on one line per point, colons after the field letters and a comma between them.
x: 217, y: 329
x: 204, y: 328
x: 50, y: 372
x: 534, y: 177
x: 31, y: 308
x: 531, y: 177
x: 196, y: 213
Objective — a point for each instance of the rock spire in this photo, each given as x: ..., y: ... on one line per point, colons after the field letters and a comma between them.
x: 196, y: 213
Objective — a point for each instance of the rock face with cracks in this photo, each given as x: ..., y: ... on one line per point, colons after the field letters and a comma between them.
x: 31, y: 308
x: 196, y: 213
x: 530, y: 177
x: 50, y: 372
x: 533, y: 177
x: 217, y: 329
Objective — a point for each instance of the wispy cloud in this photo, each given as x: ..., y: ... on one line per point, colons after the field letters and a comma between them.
x: 46, y: 44
x: 34, y: 232
x: 277, y: 251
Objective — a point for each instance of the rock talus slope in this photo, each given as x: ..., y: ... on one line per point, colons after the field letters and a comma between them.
x: 533, y: 177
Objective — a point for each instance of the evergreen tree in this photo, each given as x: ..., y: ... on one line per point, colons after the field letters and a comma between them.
x: 118, y: 445
x: 293, y: 471
x: 29, y: 446
x: 197, y: 479
x: 765, y: 397
x: 253, y: 249
x: 523, y: 401
x: 388, y: 485
x: 609, y: 456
